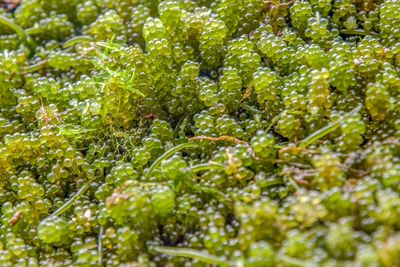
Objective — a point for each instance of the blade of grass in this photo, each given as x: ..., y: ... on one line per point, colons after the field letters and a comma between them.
x: 274, y: 121
x: 18, y: 30
x: 71, y: 201
x: 36, y: 67
x: 292, y: 261
x: 212, y: 259
x: 250, y: 108
x: 193, y: 254
x: 207, y: 167
x: 327, y: 129
x: 167, y: 154
x: 358, y: 32
x: 77, y: 39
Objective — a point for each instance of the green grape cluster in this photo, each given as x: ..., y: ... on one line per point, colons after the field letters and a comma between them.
x: 389, y: 21
x: 53, y: 230
x: 199, y: 133
x: 341, y: 67
x: 241, y: 55
x: 317, y: 29
x: 56, y: 26
x: 263, y: 144
x: 211, y: 40
x: 319, y: 88
x: 378, y: 101
x: 300, y: 13
x: 279, y: 52
x: 105, y: 26
x: 230, y: 86
x: 266, y: 85
x: 352, y: 131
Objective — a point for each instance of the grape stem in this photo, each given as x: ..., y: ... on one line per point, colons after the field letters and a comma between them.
x: 212, y: 259
x: 182, y: 123
x: 326, y: 130
x: 232, y: 139
x: 256, y: 111
x: 223, y: 138
x: 18, y: 30
x: 207, y: 166
x: 71, y: 201
x: 77, y: 39
x: 358, y: 32
x: 194, y: 254
x: 215, y: 192
x: 250, y: 108
x: 35, y: 67
x: 73, y: 132
x: 167, y: 154
x: 274, y: 121
x: 292, y: 261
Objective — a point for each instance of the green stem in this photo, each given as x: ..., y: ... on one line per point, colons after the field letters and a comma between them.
x: 180, y: 127
x: 204, y: 189
x: 212, y: 259
x: 207, y: 167
x: 35, y: 67
x: 358, y: 32
x: 167, y: 154
x: 292, y: 261
x: 215, y: 192
x: 77, y: 39
x: 74, y: 132
x: 193, y: 254
x: 327, y: 129
x: 273, y: 183
x: 273, y: 122
x: 250, y: 108
x: 71, y: 201
x: 18, y: 30
x: 294, y: 183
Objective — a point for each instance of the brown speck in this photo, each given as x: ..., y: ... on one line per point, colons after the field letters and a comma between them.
x: 15, y: 218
